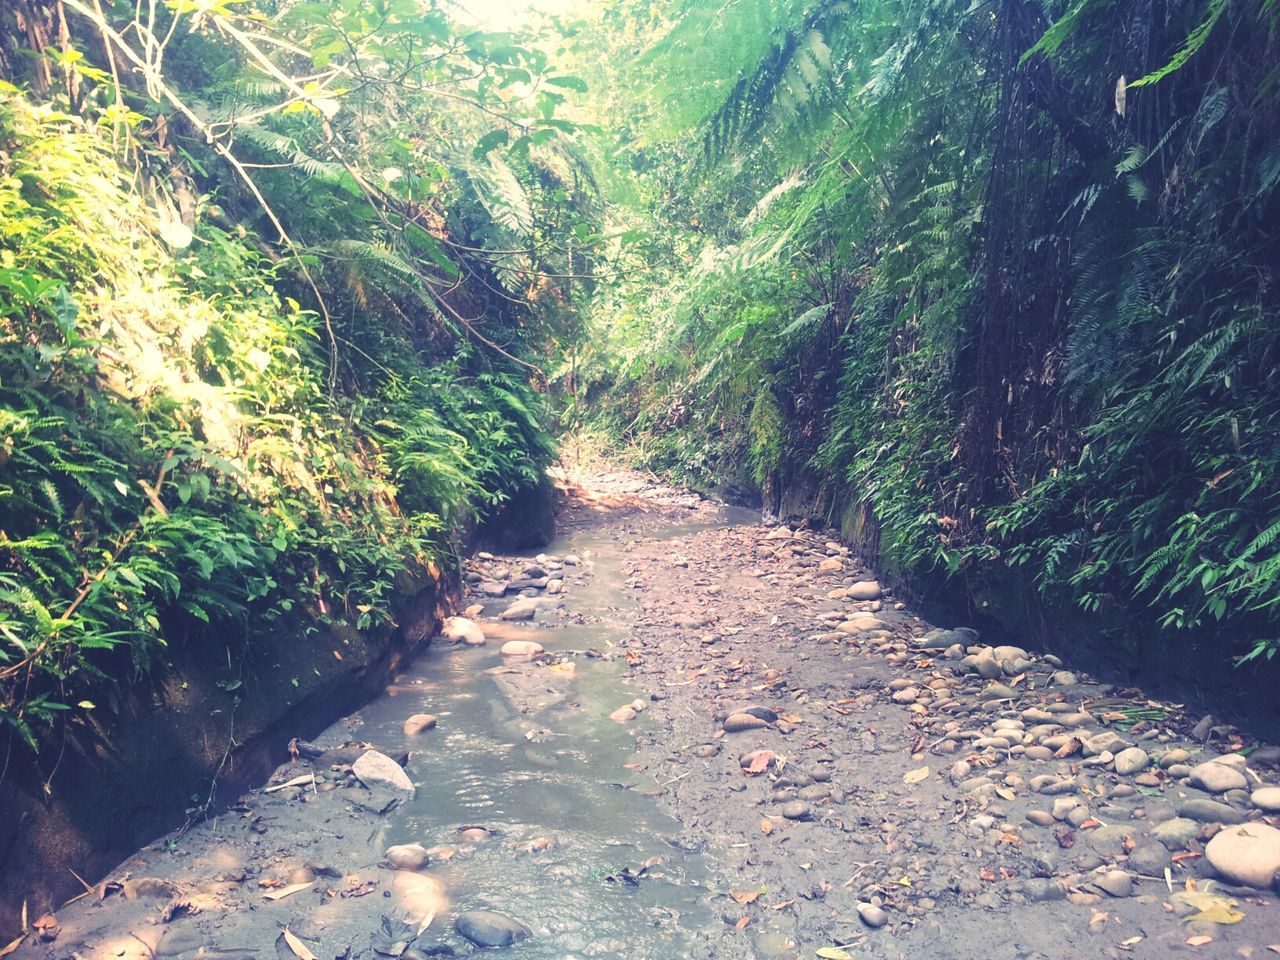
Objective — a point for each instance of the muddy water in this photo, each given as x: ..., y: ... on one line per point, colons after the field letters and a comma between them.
x: 532, y: 759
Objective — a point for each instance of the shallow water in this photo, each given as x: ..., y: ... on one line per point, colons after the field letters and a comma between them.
x: 527, y: 753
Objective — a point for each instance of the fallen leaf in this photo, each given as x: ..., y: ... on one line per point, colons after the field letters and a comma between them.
x: 987, y: 875
x: 745, y: 896
x: 17, y: 942
x: 1005, y: 793
x: 288, y: 891
x: 1189, y: 855
x: 1090, y: 824
x: 1199, y: 941
x: 766, y: 827
x: 916, y: 776
x: 297, y: 946
x: 1067, y: 749
x: 1130, y: 942
x: 1218, y: 913
x: 1274, y: 947
x: 742, y: 922
x: 833, y: 953
x: 760, y: 762
x: 781, y: 906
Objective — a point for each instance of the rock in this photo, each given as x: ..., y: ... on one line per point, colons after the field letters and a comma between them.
x: 407, y: 856
x: 907, y: 695
x: 1062, y: 678
x: 865, y: 590
x: 1115, y: 883
x: 1149, y: 858
x: 485, y: 928
x: 521, y: 648
x: 1175, y: 834
x: 1266, y: 799
x: 1131, y: 760
x: 1248, y: 854
x: 738, y: 722
x: 1063, y: 806
x: 1209, y: 811
x: 492, y: 588
x: 523, y: 609
x: 795, y: 810
x: 623, y: 714
x: 463, y: 630
x: 986, y: 666
x: 1007, y: 654
x: 418, y: 723
x: 1170, y: 757
x: 831, y: 565
x: 1216, y: 777
x: 1040, y: 818
x: 755, y: 710
x: 1103, y: 742
x: 873, y: 916
x: 386, y: 780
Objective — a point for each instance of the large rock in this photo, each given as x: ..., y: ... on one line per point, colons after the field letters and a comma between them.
x: 1131, y: 760
x: 1209, y: 811
x: 385, y: 779
x: 521, y: 648
x: 407, y: 856
x: 486, y: 928
x: 1266, y: 799
x: 1247, y: 854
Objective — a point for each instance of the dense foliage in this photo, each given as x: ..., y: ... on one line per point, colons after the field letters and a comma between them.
x: 270, y: 281
x: 1000, y: 277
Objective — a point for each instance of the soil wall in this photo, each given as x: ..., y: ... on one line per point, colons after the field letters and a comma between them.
x: 190, y: 736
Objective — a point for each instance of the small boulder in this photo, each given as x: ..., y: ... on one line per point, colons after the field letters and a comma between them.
x: 1217, y: 777
x: 418, y: 723
x: 486, y: 928
x: 865, y: 590
x: 407, y: 856
x: 1248, y: 854
x: 521, y: 648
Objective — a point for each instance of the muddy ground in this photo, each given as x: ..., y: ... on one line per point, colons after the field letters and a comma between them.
x: 800, y: 766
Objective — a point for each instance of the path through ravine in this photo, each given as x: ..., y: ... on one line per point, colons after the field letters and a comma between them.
x: 678, y: 733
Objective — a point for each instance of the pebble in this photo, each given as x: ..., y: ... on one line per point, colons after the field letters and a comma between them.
x: 521, y: 648
x: 873, y: 916
x: 1175, y: 834
x: 1209, y: 811
x: 407, y: 856
x: 418, y: 723
x: 1149, y: 858
x: 1216, y: 777
x: 795, y: 810
x: 1115, y: 883
x: 1040, y: 818
x: 486, y: 928
x: 738, y: 722
x: 1131, y: 760
x: 623, y: 714
x: 1247, y: 854
x: 1266, y: 799
x: 1170, y: 757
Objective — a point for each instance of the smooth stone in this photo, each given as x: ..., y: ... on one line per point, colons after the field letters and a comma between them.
x: 1215, y: 777
x: 873, y: 916
x: 706, y: 751
x: 623, y: 714
x: 1149, y: 858
x: 907, y: 695
x: 521, y: 648
x: 1131, y: 760
x: 795, y: 810
x: 1063, y: 806
x: 738, y: 722
x: 1177, y: 755
x: 1040, y: 818
x: 1175, y: 834
x: 1107, y: 741
x: 1209, y: 811
x: 407, y: 856
x: 1266, y: 799
x: 986, y: 666
x: 418, y: 723
x: 1038, y: 753
x: 1062, y: 678
x: 1115, y: 883
x: 523, y: 609
x: 485, y: 928
x: 865, y: 590
x: 1247, y: 854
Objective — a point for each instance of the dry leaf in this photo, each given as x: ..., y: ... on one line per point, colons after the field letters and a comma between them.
x: 1218, y: 913
x: 288, y: 891
x: 1130, y: 942
x: 1005, y: 793
x: 916, y: 776
x: 987, y: 875
x: 1067, y: 749
x: 745, y: 896
x: 766, y: 827
x: 1274, y: 947
x: 297, y: 946
x: 16, y: 943
x: 1199, y: 941
x: 1090, y: 824
x: 833, y: 953
x: 742, y: 922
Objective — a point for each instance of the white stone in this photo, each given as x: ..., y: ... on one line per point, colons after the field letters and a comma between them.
x: 521, y: 648
x: 1248, y: 853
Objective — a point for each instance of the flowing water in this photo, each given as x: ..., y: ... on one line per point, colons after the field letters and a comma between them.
x: 529, y: 758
